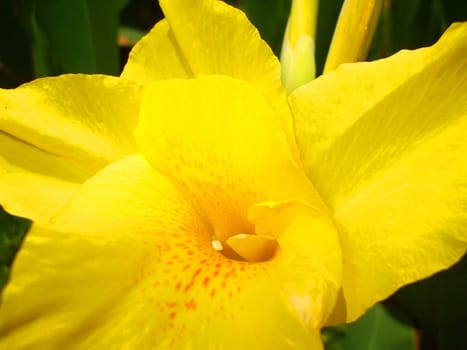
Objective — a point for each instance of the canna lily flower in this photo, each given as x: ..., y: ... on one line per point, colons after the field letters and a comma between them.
x: 192, y: 204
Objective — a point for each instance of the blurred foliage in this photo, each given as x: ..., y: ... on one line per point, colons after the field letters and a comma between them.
x: 376, y: 330
x: 415, y: 23
x: 50, y: 37
x: 141, y: 14
x: 15, y: 51
x: 437, y: 306
x: 12, y: 231
x: 73, y: 36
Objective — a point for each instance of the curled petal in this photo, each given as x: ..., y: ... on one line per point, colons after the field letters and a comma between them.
x: 70, y: 127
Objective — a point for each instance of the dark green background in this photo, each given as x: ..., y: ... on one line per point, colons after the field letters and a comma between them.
x: 50, y: 37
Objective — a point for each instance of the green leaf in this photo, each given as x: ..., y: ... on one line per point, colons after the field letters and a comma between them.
x: 410, y: 24
x: 415, y: 23
x: 104, y: 17
x: 61, y: 36
x: 12, y: 231
x: 438, y: 307
x: 74, y: 36
x: 132, y: 35
x: 15, y: 63
x: 376, y: 330
x: 455, y: 10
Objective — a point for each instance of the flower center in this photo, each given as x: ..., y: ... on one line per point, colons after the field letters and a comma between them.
x: 243, y: 246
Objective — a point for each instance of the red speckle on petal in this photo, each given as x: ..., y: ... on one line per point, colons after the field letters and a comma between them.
x: 213, y: 292
x: 191, y: 304
x: 206, y: 281
x: 178, y: 285
x: 197, y: 272
x: 188, y: 286
x: 231, y: 272
x: 172, y: 315
x: 170, y: 304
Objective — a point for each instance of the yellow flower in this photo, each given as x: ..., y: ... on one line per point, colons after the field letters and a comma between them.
x: 367, y: 195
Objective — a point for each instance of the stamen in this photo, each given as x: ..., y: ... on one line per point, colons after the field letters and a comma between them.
x: 217, y: 245
x: 254, y: 248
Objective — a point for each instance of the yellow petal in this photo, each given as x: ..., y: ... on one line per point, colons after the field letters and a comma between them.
x: 219, y: 140
x: 87, y: 118
x: 209, y: 37
x: 308, y: 260
x: 34, y: 183
x: 128, y: 264
x: 204, y: 37
x: 156, y: 57
x: 55, y: 133
x: 384, y: 143
x: 34, y: 196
